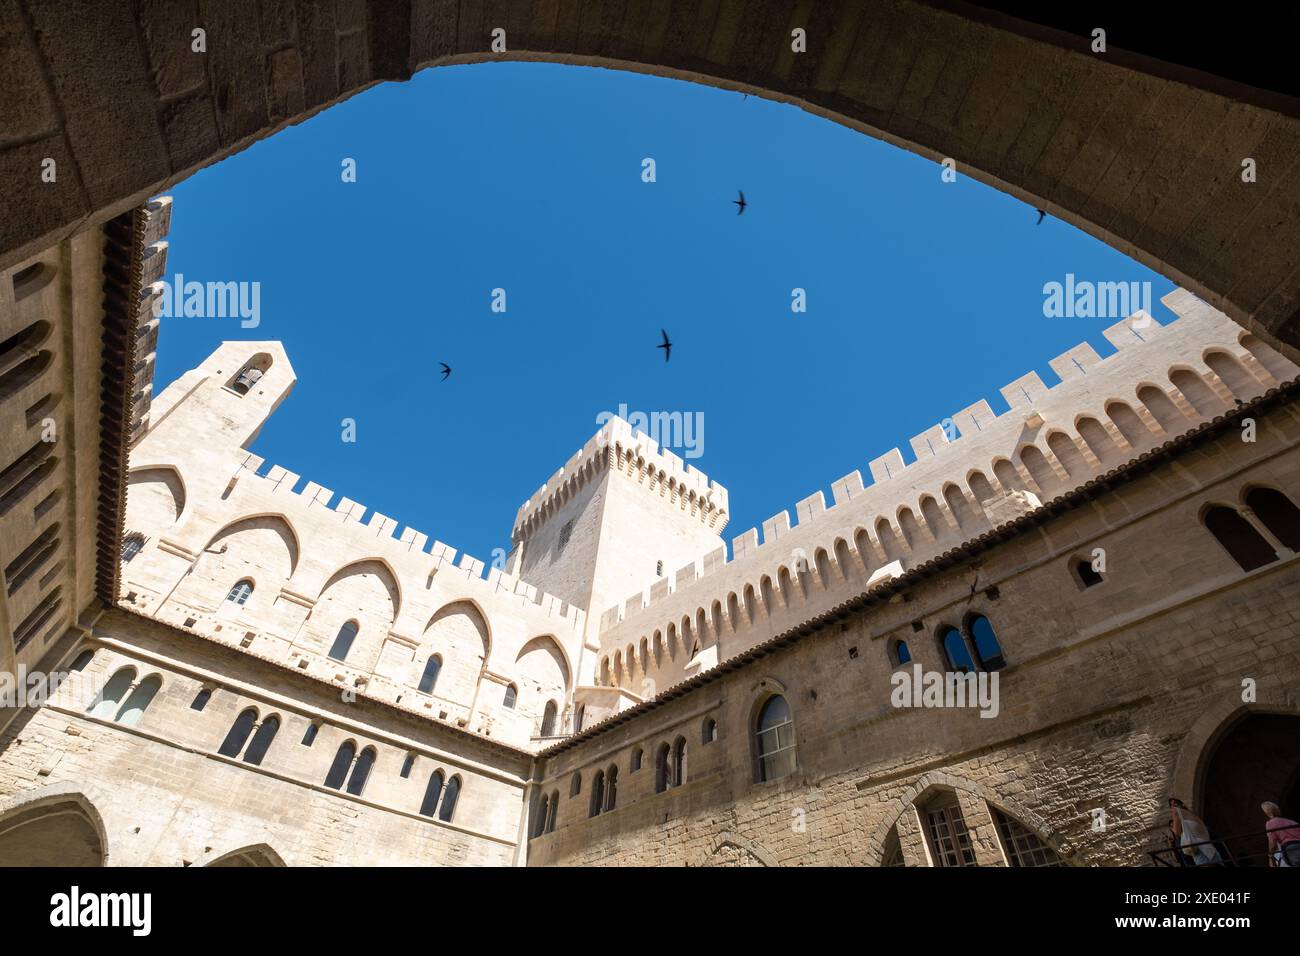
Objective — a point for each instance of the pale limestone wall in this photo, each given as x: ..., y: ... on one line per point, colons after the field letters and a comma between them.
x: 1102, y: 689
x: 167, y: 797
x: 212, y: 515
x: 999, y: 468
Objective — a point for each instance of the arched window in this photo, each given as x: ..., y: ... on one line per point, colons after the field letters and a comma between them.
x: 248, y: 376
x: 578, y: 717
x: 597, y: 793
x: 139, y: 700
x: 1278, y: 514
x: 1021, y: 845
x: 555, y: 808
x: 710, y: 730
x: 262, y: 740
x: 575, y: 785
x: 548, y: 719
x: 954, y: 650
x: 611, y: 788
x: 448, y: 808
x: 635, y: 764
x: 339, y: 768
x: 902, y: 654
x: 429, y: 679
x: 543, y: 811
x: 343, y: 641
x: 1246, y: 545
x: 407, y: 766
x: 987, y: 649
x: 431, y: 794
x: 238, y: 734
x: 131, y: 547
x: 241, y: 592
x: 893, y: 852
x: 663, y: 768
x: 512, y: 695
x: 361, y: 771
x: 201, y: 698
x: 774, y: 735
x: 679, y: 762
x: 946, y: 829
x: 82, y: 660
x: 105, y: 705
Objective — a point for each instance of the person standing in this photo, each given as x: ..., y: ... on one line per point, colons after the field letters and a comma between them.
x: 1193, y: 834
x: 1283, y: 836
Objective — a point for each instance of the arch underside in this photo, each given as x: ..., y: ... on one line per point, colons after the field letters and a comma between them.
x: 1106, y: 143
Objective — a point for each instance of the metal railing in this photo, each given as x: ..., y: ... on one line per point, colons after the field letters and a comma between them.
x: 1242, y: 849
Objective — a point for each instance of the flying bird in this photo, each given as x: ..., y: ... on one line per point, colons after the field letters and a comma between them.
x: 446, y: 370
x: 667, y: 346
x: 1041, y: 214
x: 740, y: 203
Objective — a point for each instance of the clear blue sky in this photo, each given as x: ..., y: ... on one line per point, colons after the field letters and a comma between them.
x: 923, y: 297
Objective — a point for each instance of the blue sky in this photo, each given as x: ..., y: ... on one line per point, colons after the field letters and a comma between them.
x: 922, y: 296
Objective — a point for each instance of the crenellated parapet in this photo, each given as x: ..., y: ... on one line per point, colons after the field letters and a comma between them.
x: 966, y: 476
x: 619, y: 447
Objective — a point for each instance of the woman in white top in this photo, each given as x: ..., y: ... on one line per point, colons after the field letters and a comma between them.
x: 1193, y: 834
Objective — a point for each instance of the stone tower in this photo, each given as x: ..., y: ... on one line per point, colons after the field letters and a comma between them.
x: 620, y: 516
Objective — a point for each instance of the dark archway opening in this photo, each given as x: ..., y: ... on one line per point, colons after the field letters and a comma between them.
x: 1256, y: 759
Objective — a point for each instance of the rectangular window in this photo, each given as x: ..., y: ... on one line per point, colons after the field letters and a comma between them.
x: 565, y: 533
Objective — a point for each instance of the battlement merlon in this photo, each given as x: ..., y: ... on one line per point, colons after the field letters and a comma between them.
x: 618, y: 435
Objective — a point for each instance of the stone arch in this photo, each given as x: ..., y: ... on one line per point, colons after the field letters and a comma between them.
x: 1275, y: 363
x: 255, y: 855
x: 261, y: 548
x: 745, y: 846
x: 929, y: 783
x: 1205, y: 402
x: 155, y: 497
x: 380, y: 569
x: 58, y: 825
x: 538, y: 657
x: 1233, y: 374
x: 1162, y: 408
x: 460, y: 633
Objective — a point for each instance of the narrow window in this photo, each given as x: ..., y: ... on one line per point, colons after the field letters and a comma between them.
x: 139, y: 700
x: 105, y: 705
x: 343, y: 641
x: 902, y: 654
x: 238, y: 734
x: 512, y: 694
x: 361, y: 772
x: 431, y: 794
x: 575, y: 785
x: 339, y: 768
x: 543, y: 809
x: 659, y: 569
x: 240, y: 593
x: 1246, y: 545
x: 247, y: 378
x: 635, y: 764
x: 597, y: 793
x: 555, y: 808
x: 611, y: 788
x: 1278, y: 514
x: 262, y: 740
x: 429, y: 679
x: 577, y: 718
x: 201, y: 699
x: 775, y: 739
x: 954, y: 650
x: 131, y: 547
x: 448, y: 808
x: 679, y: 762
x: 987, y: 648
x: 710, y: 730
x: 407, y: 764
x: 565, y: 533
x: 548, y: 719
x: 663, y: 768
x: 309, y: 736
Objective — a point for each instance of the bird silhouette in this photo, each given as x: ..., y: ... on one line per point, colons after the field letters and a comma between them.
x: 1041, y: 214
x: 446, y: 370
x: 666, y: 346
x: 740, y: 203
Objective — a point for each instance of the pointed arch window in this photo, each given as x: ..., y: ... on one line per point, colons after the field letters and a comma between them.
x: 985, y: 641
x: 1021, y: 845
x: 429, y: 805
x: 361, y: 772
x: 338, y: 771
x: 663, y: 768
x: 597, y: 793
x: 262, y: 740
x: 139, y: 701
x: 679, y: 762
x: 950, y: 843
x: 241, y: 592
x: 774, y: 737
x: 448, y: 808
x: 902, y: 654
x: 238, y: 734
x: 611, y: 788
x: 555, y: 808
x: 343, y: 641
x: 548, y: 719
x: 543, y: 811
x: 511, y: 696
x: 429, y: 679
x: 955, y: 651
x: 1239, y: 538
